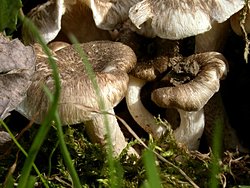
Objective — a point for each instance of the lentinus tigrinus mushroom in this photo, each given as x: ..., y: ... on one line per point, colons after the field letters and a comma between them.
x: 111, y: 62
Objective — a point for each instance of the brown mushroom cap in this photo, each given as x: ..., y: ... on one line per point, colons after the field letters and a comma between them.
x: 192, y: 96
x: 173, y: 19
x: 17, y: 65
x: 110, y: 61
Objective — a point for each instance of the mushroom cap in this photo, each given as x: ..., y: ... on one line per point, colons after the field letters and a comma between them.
x: 111, y: 61
x: 47, y: 18
x: 108, y: 14
x: 78, y: 21
x: 193, y: 95
x: 153, y: 54
x: 17, y: 65
x: 173, y: 19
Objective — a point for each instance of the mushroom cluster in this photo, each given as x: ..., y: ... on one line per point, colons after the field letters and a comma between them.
x: 159, y: 20
x: 189, y: 97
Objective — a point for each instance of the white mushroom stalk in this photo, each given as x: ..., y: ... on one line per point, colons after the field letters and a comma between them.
x: 191, y: 128
x: 137, y: 110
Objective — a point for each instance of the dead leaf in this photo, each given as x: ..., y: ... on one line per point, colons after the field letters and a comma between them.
x: 17, y: 65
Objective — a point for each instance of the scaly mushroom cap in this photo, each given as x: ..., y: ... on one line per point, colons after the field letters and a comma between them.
x: 110, y: 62
x: 109, y: 13
x: 17, y: 65
x: 173, y: 19
x: 193, y: 95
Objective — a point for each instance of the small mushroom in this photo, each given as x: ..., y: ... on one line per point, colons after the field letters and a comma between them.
x: 111, y: 62
x: 47, y: 18
x: 180, y: 19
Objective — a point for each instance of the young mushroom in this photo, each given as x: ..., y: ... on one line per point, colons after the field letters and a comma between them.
x: 148, y: 68
x: 79, y: 102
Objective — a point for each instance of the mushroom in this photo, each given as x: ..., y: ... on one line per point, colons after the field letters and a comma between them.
x: 208, y: 21
x: 189, y: 98
x: 47, y: 18
x: 180, y: 19
x: 111, y: 62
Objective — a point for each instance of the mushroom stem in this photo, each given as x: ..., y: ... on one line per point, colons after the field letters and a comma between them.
x: 137, y: 110
x: 191, y: 128
x: 97, y: 130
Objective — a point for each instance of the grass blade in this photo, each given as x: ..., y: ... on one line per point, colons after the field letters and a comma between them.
x: 45, y: 126
x: 154, y: 180
x: 92, y: 77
